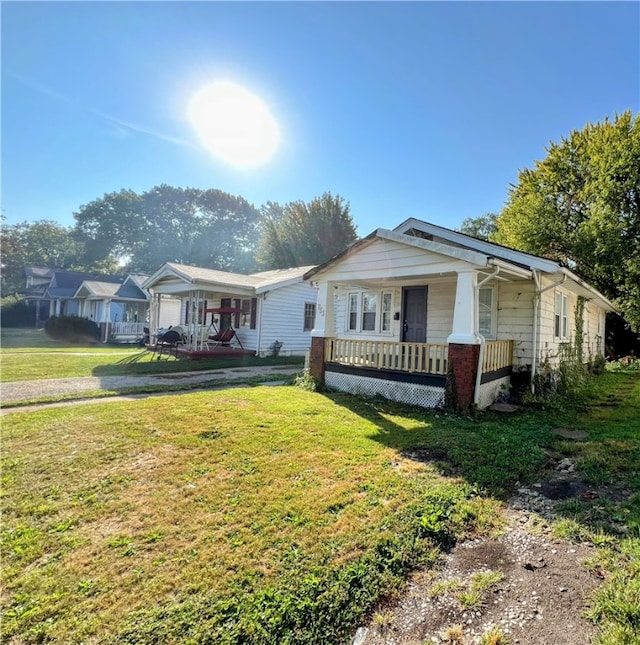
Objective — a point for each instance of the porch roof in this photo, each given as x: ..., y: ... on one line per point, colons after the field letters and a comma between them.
x: 180, y: 278
x: 96, y: 290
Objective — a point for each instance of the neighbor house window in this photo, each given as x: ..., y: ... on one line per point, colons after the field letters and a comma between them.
x: 485, y: 312
x: 365, y: 314
x: 560, y: 326
x: 309, y: 315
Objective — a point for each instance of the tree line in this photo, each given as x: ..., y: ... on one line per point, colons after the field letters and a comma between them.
x: 128, y: 232
x: 580, y: 205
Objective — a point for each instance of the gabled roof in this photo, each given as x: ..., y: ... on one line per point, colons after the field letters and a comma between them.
x: 96, y: 289
x: 260, y: 282
x: 436, y: 239
x: 38, y: 272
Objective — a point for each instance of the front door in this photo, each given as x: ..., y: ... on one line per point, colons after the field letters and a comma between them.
x: 414, y: 315
x: 225, y: 319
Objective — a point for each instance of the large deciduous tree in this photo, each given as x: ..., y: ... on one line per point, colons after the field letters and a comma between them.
x: 483, y: 227
x: 43, y: 243
x: 206, y: 228
x: 300, y: 233
x: 581, y: 206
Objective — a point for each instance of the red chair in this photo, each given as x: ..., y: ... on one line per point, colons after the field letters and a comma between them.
x: 224, y: 337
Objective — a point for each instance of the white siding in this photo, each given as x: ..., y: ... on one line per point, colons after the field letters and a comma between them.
x: 283, y: 319
x: 384, y: 259
x: 515, y: 318
x: 441, y: 298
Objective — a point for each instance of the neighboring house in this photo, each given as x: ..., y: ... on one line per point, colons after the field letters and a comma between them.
x: 120, y: 308
x: 37, y: 280
x: 411, y: 312
x: 117, y: 303
x: 271, y: 311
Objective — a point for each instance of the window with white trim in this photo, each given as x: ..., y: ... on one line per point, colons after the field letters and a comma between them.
x: 560, y: 320
x: 309, y: 315
x: 369, y: 311
x: 486, y: 309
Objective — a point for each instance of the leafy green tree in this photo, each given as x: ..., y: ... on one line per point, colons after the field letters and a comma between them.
x: 581, y: 206
x: 207, y: 228
x: 300, y: 234
x: 483, y: 227
x: 44, y: 244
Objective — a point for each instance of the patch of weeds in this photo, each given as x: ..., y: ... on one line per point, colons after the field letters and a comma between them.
x: 305, y: 381
x: 383, y: 619
x: 480, y: 582
x: 444, y: 587
x: 616, y: 605
x: 495, y: 636
x: 454, y: 635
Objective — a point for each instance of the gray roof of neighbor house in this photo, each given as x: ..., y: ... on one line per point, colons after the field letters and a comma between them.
x: 38, y: 272
x: 97, y: 289
x: 64, y: 284
x: 261, y: 281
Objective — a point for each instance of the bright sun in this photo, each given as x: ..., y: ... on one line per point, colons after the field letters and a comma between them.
x: 234, y: 124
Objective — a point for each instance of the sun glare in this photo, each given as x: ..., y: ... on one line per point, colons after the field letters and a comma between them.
x: 234, y: 124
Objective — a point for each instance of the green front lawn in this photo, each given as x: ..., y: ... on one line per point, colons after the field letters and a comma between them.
x: 274, y: 515
x: 28, y: 355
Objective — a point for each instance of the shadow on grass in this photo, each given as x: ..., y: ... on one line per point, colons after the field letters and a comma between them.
x: 146, y: 362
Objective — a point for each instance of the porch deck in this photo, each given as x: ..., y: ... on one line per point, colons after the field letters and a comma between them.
x: 214, y: 352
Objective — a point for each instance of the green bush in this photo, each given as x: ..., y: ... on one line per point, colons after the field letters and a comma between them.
x: 15, y: 313
x: 73, y: 329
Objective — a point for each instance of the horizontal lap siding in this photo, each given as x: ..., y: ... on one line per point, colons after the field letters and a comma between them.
x: 594, y: 319
x: 283, y: 319
x: 385, y: 259
x: 515, y: 318
x: 441, y: 299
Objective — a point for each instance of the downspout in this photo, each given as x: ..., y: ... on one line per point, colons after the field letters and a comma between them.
x: 259, y: 323
x: 476, y: 390
x: 536, y: 316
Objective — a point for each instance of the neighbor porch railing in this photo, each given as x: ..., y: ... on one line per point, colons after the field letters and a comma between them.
x: 427, y: 358
x: 498, y: 354
x: 127, y: 328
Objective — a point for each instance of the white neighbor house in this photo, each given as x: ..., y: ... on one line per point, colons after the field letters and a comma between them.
x: 409, y: 312
x: 275, y: 310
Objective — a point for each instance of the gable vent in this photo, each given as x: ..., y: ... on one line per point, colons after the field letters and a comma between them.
x: 414, y: 232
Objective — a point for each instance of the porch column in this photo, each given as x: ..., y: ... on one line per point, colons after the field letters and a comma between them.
x: 107, y: 319
x: 322, y: 329
x: 464, y: 343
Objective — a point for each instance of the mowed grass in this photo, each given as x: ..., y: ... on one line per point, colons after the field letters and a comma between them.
x: 174, y: 514
x: 30, y: 355
x: 276, y: 515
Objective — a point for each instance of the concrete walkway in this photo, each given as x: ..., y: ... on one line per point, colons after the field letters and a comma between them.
x: 17, y: 391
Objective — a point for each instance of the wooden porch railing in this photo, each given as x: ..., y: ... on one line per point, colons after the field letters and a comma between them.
x: 127, y: 328
x: 497, y: 355
x: 427, y: 358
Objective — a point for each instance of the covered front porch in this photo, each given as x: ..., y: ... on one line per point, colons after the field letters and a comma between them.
x: 413, y: 372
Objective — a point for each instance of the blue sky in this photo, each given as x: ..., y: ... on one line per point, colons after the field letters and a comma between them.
x: 418, y: 109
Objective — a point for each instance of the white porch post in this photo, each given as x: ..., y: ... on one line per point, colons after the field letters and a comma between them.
x: 324, y: 326
x: 107, y: 319
x: 465, y: 313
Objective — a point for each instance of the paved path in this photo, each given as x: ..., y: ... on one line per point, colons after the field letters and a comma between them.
x: 25, y: 390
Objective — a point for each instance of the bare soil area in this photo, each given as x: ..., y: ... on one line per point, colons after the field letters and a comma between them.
x: 540, y: 589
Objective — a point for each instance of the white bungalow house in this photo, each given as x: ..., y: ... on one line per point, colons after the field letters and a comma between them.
x: 271, y: 311
x: 410, y: 312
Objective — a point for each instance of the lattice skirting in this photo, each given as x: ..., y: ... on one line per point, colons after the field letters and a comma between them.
x: 489, y: 392
x: 426, y: 396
